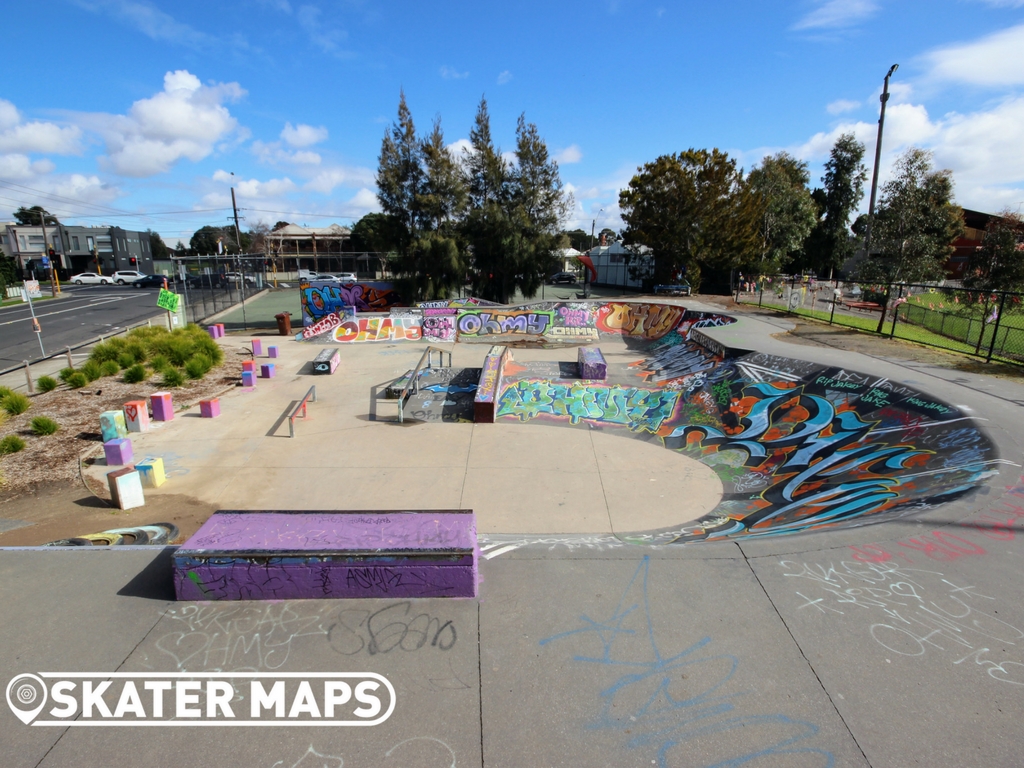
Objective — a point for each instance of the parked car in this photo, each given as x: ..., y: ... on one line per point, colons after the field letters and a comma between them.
x: 85, y: 278
x: 563, y: 277
x: 150, y: 281
x: 124, y: 276
x: 346, y: 277
x: 237, y: 277
x: 682, y: 288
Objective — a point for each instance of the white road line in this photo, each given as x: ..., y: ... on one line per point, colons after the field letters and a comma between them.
x: 501, y: 551
x: 92, y: 303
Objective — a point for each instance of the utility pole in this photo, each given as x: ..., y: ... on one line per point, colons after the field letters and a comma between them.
x: 46, y: 255
x: 238, y: 236
x: 878, y: 156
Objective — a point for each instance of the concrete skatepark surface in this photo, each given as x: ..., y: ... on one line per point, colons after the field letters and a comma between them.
x: 888, y: 645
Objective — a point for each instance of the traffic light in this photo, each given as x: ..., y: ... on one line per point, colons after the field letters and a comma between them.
x: 30, y: 264
x: 51, y: 253
x: 132, y: 261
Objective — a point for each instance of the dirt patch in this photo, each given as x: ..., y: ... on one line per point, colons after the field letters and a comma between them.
x: 817, y: 334
x: 55, y: 511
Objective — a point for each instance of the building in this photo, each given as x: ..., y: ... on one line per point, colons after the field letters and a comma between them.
x: 321, y: 249
x: 77, y: 249
x: 613, y: 260
x: 975, y: 223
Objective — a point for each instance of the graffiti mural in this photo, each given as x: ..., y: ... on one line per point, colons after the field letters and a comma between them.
x: 379, y: 329
x: 478, y: 322
x: 320, y: 299
x: 639, y: 409
x: 439, y: 324
x: 646, y: 321
x: 327, y: 323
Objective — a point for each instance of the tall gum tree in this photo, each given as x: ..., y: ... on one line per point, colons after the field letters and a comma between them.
x: 829, y: 244
x: 788, y: 213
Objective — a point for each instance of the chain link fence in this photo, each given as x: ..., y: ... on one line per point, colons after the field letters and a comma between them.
x: 211, y: 284
x: 988, y: 324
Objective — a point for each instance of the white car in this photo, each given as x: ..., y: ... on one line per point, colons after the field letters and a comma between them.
x: 342, y: 278
x: 125, y: 276
x: 90, y: 277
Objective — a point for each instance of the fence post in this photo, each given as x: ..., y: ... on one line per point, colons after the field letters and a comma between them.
x: 832, y: 314
x: 28, y: 378
x: 995, y: 331
x: 895, y: 312
x: 760, y: 296
x: 71, y: 363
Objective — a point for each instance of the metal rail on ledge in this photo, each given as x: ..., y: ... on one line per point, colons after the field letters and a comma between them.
x: 414, y: 377
x: 301, y: 406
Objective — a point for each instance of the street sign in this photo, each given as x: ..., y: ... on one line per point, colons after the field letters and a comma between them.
x: 168, y: 300
x: 46, y: 262
x: 31, y: 287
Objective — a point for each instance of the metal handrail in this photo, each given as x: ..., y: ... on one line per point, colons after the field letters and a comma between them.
x: 295, y: 411
x: 414, y: 377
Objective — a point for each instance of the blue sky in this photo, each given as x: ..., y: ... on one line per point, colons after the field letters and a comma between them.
x: 137, y: 113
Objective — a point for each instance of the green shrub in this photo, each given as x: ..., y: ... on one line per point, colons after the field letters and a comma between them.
x: 11, y: 444
x: 134, y: 374
x: 91, y: 370
x: 65, y: 374
x: 158, y: 363
x: 108, y: 350
x: 47, y: 384
x: 43, y: 425
x: 198, y: 365
x: 137, y: 350
x: 124, y: 360
x: 110, y: 368
x: 5, y: 391
x: 77, y: 380
x: 15, y: 403
x: 173, y: 377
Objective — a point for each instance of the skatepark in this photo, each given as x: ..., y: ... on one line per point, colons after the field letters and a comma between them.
x: 720, y: 549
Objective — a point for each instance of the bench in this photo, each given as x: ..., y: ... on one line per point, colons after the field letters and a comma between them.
x: 591, y: 363
x: 326, y: 361
x: 866, y: 306
x: 292, y: 555
x: 484, y: 402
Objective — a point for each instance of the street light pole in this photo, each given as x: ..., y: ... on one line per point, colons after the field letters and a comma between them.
x: 878, y: 156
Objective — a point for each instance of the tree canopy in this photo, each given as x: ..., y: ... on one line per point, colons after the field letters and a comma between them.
x: 829, y: 244
x: 695, y: 212
x: 29, y: 217
x: 788, y: 212
x: 440, y: 212
x: 915, y: 225
x: 157, y: 245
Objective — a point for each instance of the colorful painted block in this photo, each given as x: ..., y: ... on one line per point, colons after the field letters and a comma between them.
x: 272, y: 556
x: 267, y: 371
x: 126, y: 488
x: 248, y: 378
x: 257, y: 347
x: 326, y: 361
x: 272, y: 351
x: 136, y: 415
x: 112, y: 425
x: 151, y: 470
x: 163, y: 407
x: 118, y: 452
x: 209, y: 409
x: 249, y: 365
x: 213, y: 331
x: 591, y: 363
x: 220, y: 329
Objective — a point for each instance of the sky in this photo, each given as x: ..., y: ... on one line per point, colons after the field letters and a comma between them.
x: 145, y: 114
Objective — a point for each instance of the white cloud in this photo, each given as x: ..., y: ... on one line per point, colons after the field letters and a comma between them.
x: 836, y: 14
x: 571, y: 154
x: 504, y: 77
x: 326, y: 38
x: 303, y: 135
x: 450, y: 73
x: 993, y: 61
x: 19, y: 137
x: 185, y: 120
x: 460, y: 147
x: 273, y: 154
x: 839, y: 106
x: 327, y: 179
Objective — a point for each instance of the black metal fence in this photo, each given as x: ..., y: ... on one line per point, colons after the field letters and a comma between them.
x: 988, y: 324
x: 211, y: 284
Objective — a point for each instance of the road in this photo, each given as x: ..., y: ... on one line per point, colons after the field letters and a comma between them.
x: 86, y: 312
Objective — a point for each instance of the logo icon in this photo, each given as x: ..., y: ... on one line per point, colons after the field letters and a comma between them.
x: 22, y: 692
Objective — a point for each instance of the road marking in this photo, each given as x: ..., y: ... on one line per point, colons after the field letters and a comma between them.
x: 92, y: 303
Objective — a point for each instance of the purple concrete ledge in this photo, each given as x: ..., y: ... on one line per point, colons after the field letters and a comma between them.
x: 591, y: 363
x: 279, y: 555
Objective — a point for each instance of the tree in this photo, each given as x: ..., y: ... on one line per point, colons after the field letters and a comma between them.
x: 694, y: 211
x: 158, y: 246
x: 914, y: 227
x: 400, y: 176
x: 8, y: 273
x: 829, y: 244
x: 788, y: 212
x: 374, y: 233
x: 578, y: 239
x: 204, y: 240
x: 29, y: 217
x: 999, y: 263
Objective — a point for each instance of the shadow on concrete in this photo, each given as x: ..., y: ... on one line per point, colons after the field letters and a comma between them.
x: 93, y: 502
x: 154, y: 582
x: 282, y: 419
